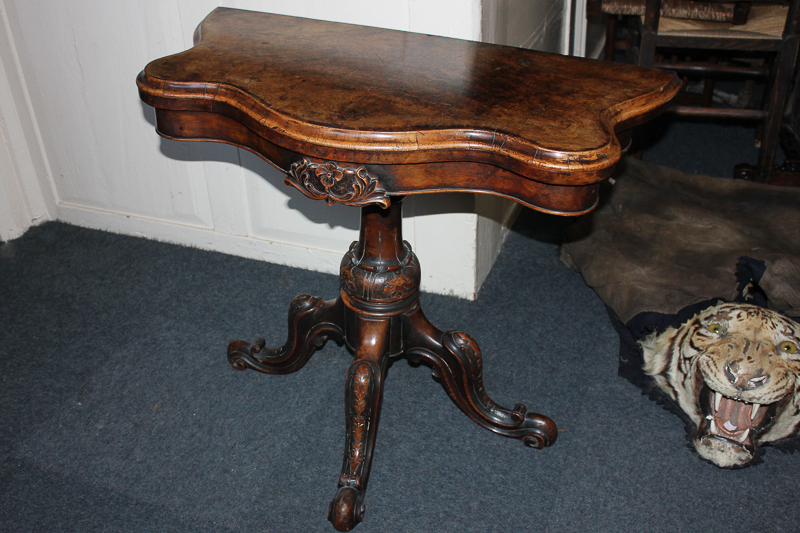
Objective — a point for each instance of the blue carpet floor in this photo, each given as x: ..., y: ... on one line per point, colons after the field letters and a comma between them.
x: 120, y: 413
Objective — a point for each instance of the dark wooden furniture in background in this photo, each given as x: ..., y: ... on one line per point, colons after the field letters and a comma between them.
x: 363, y: 116
x: 755, y: 39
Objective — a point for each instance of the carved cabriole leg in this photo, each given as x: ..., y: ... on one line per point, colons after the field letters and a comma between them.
x: 458, y: 365
x: 363, y: 398
x: 311, y: 322
x: 379, y: 281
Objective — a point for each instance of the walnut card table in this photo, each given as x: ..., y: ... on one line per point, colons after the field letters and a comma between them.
x: 364, y: 116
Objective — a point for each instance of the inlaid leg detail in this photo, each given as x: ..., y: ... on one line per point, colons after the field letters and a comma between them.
x: 311, y: 322
x: 458, y: 365
x: 363, y: 395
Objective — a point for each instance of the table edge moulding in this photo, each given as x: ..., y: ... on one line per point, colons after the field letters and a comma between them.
x: 365, y: 116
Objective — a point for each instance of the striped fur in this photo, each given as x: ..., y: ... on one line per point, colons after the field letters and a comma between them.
x: 727, y: 360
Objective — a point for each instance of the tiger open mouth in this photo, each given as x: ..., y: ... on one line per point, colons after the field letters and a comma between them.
x: 735, y: 421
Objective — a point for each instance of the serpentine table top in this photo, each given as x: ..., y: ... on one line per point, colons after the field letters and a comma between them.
x: 364, y: 116
x: 535, y: 127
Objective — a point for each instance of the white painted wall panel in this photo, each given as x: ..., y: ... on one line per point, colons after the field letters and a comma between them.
x: 15, y: 214
x: 538, y: 25
x: 27, y: 192
x: 283, y: 214
x: 450, y: 18
x: 80, y: 70
x: 392, y: 14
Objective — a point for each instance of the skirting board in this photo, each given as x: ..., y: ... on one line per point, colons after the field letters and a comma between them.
x: 317, y: 260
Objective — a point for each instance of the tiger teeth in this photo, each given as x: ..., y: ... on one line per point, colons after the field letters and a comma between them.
x: 714, y: 428
x: 717, y: 399
x: 754, y: 410
x: 744, y: 435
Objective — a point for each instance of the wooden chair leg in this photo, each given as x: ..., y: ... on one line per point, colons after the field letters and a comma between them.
x: 776, y: 102
x: 647, y: 51
x: 611, y: 38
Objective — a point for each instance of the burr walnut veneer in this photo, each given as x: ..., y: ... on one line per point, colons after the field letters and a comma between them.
x: 364, y: 116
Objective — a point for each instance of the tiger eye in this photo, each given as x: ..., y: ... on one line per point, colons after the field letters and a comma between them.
x: 788, y: 347
x: 714, y: 328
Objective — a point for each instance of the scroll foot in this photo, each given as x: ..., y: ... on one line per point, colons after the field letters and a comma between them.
x: 347, y: 509
x: 311, y: 322
x: 458, y: 365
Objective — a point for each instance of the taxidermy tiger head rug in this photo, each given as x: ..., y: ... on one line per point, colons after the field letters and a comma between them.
x: 734, y: 370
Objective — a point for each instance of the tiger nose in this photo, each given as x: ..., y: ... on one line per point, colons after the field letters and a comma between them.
x: 745, y: 379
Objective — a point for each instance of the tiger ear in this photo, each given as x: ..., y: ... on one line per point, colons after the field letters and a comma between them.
x: 656, y: 349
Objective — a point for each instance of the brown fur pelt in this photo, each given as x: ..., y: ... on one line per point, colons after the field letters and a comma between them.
x: 662, y: 247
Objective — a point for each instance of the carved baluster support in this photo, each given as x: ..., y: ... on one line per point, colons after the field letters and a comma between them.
x: 379, y: 281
